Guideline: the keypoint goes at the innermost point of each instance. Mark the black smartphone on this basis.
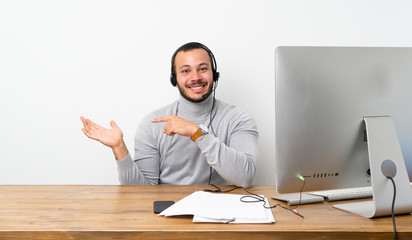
(159, 206)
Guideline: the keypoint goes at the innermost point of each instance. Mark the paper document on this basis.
(221, 208)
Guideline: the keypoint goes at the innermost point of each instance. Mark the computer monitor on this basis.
(340, 112)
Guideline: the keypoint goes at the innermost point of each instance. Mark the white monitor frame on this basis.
(323, 95)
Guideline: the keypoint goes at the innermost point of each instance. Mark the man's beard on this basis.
(183, 93)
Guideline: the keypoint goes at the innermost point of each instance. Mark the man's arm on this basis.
(129, 172)
(144, 166)
(234, 161)
(112, 138)
(177, 125)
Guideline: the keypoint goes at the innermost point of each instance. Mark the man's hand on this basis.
(176, 125)
(110, 137)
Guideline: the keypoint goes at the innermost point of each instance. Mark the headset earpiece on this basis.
(173, 79)
(216, 76)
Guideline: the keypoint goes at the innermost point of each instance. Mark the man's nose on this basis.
(195, 76)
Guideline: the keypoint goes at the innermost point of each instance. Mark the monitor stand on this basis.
(385, 159)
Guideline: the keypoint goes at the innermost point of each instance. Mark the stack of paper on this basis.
(220, 207)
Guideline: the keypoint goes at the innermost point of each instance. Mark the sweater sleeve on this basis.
(236, 158)
(144, 169)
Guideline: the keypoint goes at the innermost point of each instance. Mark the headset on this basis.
(191, 46)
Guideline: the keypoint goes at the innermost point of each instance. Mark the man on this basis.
(195, 140)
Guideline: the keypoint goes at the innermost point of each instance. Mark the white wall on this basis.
(111, 60)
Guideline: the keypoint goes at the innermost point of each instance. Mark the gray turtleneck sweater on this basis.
(230, 148)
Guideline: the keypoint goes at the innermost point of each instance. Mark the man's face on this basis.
(194, 74)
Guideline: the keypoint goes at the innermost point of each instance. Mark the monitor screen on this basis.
(322, 97)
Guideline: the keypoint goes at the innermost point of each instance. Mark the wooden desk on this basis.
(126, 212)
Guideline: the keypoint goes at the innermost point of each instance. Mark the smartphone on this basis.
(159, 206)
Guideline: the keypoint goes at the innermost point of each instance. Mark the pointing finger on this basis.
(162, 119)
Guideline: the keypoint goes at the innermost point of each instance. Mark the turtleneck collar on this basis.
(185, 106)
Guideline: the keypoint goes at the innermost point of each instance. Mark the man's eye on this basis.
(185, 71)
(203, 69)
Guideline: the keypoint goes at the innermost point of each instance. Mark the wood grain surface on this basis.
(126, 212)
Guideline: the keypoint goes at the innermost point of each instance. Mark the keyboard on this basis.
(345, 194)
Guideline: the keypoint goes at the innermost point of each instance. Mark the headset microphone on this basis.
(206, 95)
